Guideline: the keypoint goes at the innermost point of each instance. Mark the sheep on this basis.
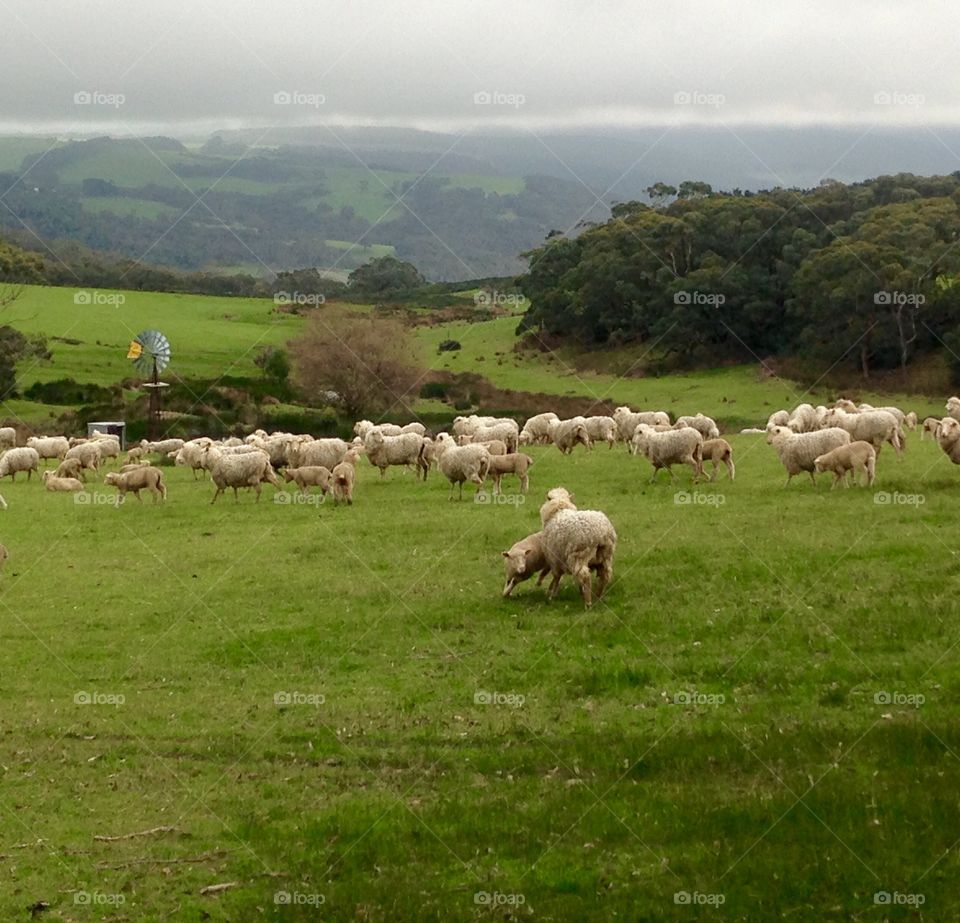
(778, 418)
(506, 431)
(524, 559)
(855, 456)
(568, 433)
(87, 453)
(627, 421)
(13, 461)
(144, 477)
(930, 425)
(49, 446)
(190, 455)
(465, 426)
(910, 420)
(134, 454)
(415, 427)
(384, 451)
(464, 463)
(363, 427)
(327, 453)
(494, 446)
(953, 407)
(134, 466)
(537, 428)
(52, 482)
(309, 476)
(948, 438)
(702, 424)
(243, 469)
(343, 478)
(8, 438)
(163, 447)
(427, 457)
(516, 463)
(576, 542)
(803, 419)
(873, 426)
(601, 429)
(847, 405)
(108, 444)
(682, 446)
(799, 451)
(69, 468)
(718, 450)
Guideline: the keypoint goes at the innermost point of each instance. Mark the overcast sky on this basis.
(190, 66)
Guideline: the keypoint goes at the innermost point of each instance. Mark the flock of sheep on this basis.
(844, 439)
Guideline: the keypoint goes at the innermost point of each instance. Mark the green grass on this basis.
(400, 797)
(119, 205)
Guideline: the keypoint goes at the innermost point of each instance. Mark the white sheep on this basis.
(948, 438)
(930, 425)
(682, 446)
(799, 451)
(189, 455)
(628, 420)
(953, 407)
(319, 452)
(69, 468)
(854, 457)
(143, 477)
(242, 469)
(704, 425)
(8, 438)
(778, 418)
(717, 451)
(524, 559)
(911, 420)
(87, 453)
(804, 419)
(577, 542)
(567, 434)
(49, 446)
(343, 478)
(460, 463)
(309, 476)
(515, 463)
(602, 429)
(873, 426)
(54, 483)
(537, 429)
(13, 461)
(163, 447)
(384, 451)
(507, 431)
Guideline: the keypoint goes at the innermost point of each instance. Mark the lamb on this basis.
(948, 439)
(163, 447)
(804, 419)
(682, 446)
(427, 457)
(144, 477)
(8, 438)
(855, 456)
(327, 453)
(702, 424)
(717, 451)
(953, 408)
(537, 428)
(465, 426)
(799, 451)
(87, 453)
(55, 483)
(309, 476)
(516, 463)
(524, 559)
(384, 451)
(627, 421)
(567, 434)
(13, 461)
(49, 446)
(576, 542)
(69, 468)
(343, 477)
(930, 425)
(134, 454)
(873, 426)
(464, 463)
(910, 420)
(601, 429)
(243, 469)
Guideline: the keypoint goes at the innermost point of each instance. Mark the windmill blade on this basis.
(150, 350)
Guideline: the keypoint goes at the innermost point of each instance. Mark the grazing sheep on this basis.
(327, 453)
(873, 426)
(190, 455)
(466, 426)
(13, 461)
(627, 421)
(601, 429)
(134, 466)
(524, 559)
(799, 451)
(415, 427)
(717, 451)
(244, 469)
(953, 408)
(682, 446)
(343, 478)
(108, 444)
(494, 446)
(8, 438)
(948, 438)
(930, 425)
(910, 420)
(506, 431)
(134, 455)
(54, 483)
(309, 476)
(69, 468)
(567, 434)
(778, 418)
(163, 448)
(804, 419)
(537, 429)
(846, 405)
(144, 477)
(705, 426)
(516, 463)
(427, 457)
(49, 446)
(464, 463)
(577, 542)
(88, 454)
(384, 451)
(856, 457)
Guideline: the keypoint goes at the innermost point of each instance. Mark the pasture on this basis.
(335, 712)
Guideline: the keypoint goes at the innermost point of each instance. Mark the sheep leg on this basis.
(731, 469)
(217, 494)
(604, 576)
(554, 584)
(136, 493)
(583, 578)
(524, 483)
(236, 496)
(812, 478)
(258, 489)
(543, 575)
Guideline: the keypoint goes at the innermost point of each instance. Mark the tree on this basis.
(364, 361)
(274, 363)
(659, 193)
(385, 275)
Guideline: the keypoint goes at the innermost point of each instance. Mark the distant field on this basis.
(120, 205)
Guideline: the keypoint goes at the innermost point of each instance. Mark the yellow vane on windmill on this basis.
(135, 350)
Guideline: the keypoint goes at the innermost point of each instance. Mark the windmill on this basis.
(150, 352)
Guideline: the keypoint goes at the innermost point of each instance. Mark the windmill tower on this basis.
(150, 353)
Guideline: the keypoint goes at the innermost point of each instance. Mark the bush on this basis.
(448, 346)
(434, 390)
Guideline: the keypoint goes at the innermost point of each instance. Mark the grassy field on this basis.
(758, 722)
